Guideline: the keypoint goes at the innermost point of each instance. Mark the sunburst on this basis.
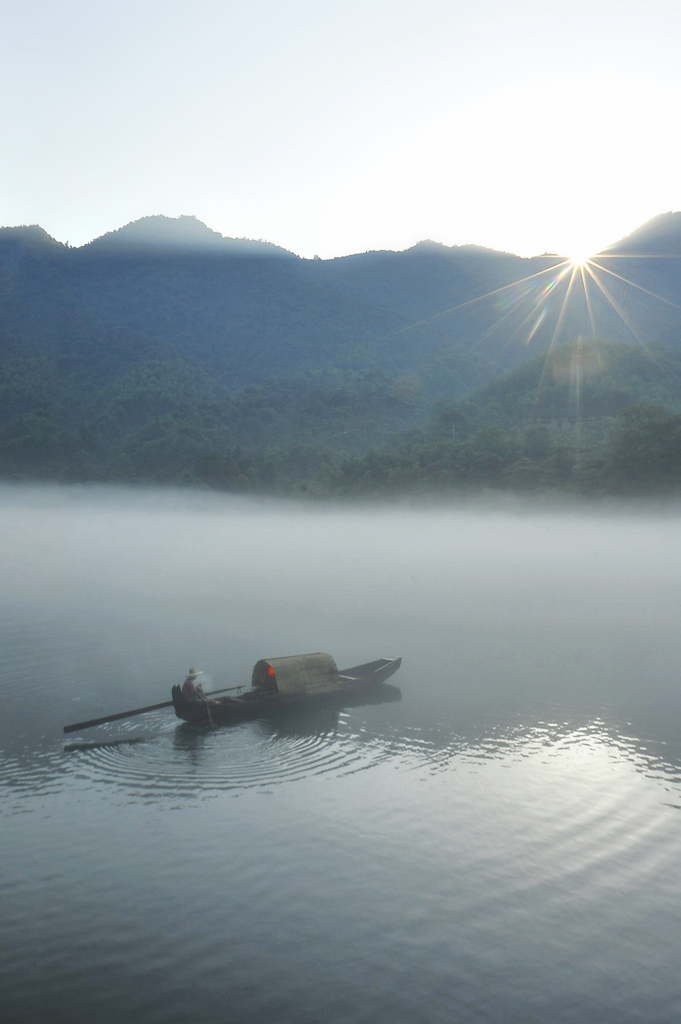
(569, 296)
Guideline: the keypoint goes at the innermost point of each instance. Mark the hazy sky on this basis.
(329, 128)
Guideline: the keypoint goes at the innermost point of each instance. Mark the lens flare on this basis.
(559, 297)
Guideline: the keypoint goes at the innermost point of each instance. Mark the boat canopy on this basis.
(299, 673)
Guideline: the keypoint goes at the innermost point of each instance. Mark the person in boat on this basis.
(190, 690)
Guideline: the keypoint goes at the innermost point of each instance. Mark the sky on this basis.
(331, 128)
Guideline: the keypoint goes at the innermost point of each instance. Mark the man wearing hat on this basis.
(190, 691)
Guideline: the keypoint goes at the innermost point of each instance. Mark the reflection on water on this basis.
(499, 844)
(72, 748)
(191, 760)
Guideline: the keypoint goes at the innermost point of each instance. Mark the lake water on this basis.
(501, 846)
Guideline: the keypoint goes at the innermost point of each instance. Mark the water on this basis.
(500, 846)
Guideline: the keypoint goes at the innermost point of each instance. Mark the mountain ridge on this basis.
(156, 231)
(661, 234)
(146, 339)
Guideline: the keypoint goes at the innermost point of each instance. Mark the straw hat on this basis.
(192, 674)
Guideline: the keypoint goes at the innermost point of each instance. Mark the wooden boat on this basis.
(283, 684)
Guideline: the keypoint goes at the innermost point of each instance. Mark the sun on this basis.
(568, 297)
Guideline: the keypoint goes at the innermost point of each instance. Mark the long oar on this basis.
(135, 711)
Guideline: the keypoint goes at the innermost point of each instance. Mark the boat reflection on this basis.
(297, 721)
(320, 721)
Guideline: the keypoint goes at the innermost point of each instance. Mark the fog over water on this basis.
(502, 845)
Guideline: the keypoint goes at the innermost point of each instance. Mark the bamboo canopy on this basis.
(298, 673)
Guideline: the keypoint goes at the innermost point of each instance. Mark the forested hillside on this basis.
(165, 352)
(241, 311)
(587, 418)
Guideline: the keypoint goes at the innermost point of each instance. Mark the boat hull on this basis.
(359, 684)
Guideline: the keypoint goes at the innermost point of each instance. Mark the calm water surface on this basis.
(501, 846)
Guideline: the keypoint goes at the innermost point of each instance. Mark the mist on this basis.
(487, 602)
(516, 810)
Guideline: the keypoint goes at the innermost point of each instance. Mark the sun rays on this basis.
(586, 279)
(578, 297)
(562, 294)
(581, 300)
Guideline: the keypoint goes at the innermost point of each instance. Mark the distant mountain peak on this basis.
(186, 233)
(162, 232)
(427, 245)
(660, 236)
(28, 236)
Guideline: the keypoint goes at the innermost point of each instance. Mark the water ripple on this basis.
(184, 760)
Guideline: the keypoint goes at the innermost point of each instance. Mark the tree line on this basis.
(602, 418)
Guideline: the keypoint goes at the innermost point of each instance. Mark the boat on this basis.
(288, 683)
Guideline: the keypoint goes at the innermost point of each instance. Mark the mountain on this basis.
(583, 382)
(179, 234)
(242, 311)
(425, 280)
(600, 417)
(660, 236)
(246, 309)
(128, 357)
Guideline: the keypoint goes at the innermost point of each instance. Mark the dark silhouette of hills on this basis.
(242, 310)
(164, 336)
(179, 234)
(660, 236)
(422, 281)
(246, 309)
